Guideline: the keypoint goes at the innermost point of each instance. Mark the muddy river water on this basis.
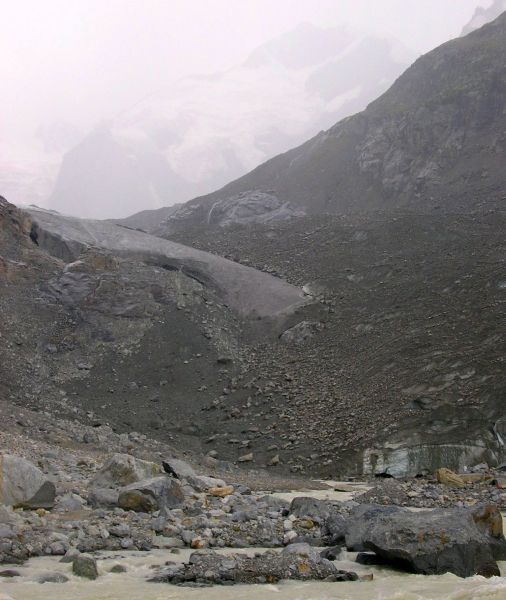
(386, 584)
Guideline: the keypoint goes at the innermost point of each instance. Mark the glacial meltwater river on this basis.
(386, 584)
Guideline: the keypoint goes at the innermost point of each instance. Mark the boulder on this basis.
(387, 491)
(103, 498)
(122, 469)
(9, 517)
(301, 333)
(178, 468)
(334, 530)
(488, 519)
(246, 457)
(208, 567)
(317, 510)
(202, 482)
(51, 578)
(85, 566)
(433, 542)
(361, 519)
(69, 503)
(151, 494)
(449, 478)
(23, 485)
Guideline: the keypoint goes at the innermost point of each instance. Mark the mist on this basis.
(70, 66)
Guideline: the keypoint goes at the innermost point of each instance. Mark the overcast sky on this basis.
(84, 60)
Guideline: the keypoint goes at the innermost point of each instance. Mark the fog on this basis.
(69, 65)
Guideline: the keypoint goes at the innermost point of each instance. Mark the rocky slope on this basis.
(396, 363)
(197, 134)
(407, 362)
(435, 139)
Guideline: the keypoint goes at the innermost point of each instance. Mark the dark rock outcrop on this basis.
(270, 567)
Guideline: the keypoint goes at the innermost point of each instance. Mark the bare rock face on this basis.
(251, 206)
(122, 469)
(24, 485)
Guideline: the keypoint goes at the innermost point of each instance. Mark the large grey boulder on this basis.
(432, 542)
(151, 494)
(208, 567)
(123, 469)
(23, 484)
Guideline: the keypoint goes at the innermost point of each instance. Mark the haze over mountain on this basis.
(435, 139)
(201, 133)
(483, 15)
(91, 74)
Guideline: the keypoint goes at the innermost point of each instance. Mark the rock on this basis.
(103, 498)
(317, 510)
(302, 549)
(85, 566)
(178, 468)
(52, 578)
(334, 530)
(221, 492)
(151, 494)
(274, 460)
(208, 567)
(488, 519)
(160, 541)
(118, 569)
(122, 469)
(370, 559)
(432, 542)
(9, 517)
(70, 555)
(449, 478)
(9, 573)
(246, 457)
(301, 333)
(121, 531)
(388, 491)
(23, 485)
(69, 503)
(331, 553)
(202, 483)
(360, 520)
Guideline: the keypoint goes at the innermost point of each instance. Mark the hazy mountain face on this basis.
(436, 138)
(205, 131)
